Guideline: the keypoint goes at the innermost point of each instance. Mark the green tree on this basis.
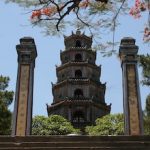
(147, 116)
(52, 125)
(145, 64)
(112, 124)
(147, 107)
(146, 125)
(6, 98)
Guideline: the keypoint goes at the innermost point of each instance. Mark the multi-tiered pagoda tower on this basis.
(78, 94)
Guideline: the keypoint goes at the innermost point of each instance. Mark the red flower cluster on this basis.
(36, 13)
(49, 11)
(137, 9)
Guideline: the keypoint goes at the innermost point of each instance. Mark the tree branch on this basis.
(69, 9)
(77, 15)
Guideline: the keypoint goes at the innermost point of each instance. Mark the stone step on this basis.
(76, 144)
(74, 148)
(72, 138)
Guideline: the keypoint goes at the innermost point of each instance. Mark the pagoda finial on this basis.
(72, 33)
(83, 33)
(78, 32)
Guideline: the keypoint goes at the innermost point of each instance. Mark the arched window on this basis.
(78, 43)
(78, 57)
(78, 93)
(78, 73)
(78, 117)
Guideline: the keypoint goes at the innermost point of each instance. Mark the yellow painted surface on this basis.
(133, 102)
(22, 100)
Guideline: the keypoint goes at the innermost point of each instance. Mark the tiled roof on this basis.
(81, 101)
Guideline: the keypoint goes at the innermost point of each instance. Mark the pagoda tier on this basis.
(78, 88)
(78, 93)
(74, 69)
(78, 54)
(81, 112)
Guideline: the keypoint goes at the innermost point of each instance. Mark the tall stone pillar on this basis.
(131, 92)
(22, 116)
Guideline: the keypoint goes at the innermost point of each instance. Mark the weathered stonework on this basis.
(22, 115)
(78, 94)
(22, 104)
(131, 93)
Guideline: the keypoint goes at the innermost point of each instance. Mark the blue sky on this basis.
(15, 24)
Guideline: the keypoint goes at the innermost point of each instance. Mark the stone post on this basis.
(22, 116)
(131, 92)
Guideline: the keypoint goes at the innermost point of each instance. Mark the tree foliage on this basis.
(147, 116)
(57, 11)
(147, 107)
(145, 64)
(6, 98)
(52, 125)
(147, 125)
(97, 17)
(111, 124)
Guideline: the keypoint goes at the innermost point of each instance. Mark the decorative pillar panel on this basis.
(22, 116)
(131, 92)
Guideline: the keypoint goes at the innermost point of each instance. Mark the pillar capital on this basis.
(128, 50)
(26, 50)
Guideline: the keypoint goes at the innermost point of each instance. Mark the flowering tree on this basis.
(139, 7)
(95, 16)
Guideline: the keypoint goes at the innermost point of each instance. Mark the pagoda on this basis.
(79, 96)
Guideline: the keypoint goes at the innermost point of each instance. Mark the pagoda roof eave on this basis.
(87, 81)
(70, 102)
(72, 63)
(90, 50)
